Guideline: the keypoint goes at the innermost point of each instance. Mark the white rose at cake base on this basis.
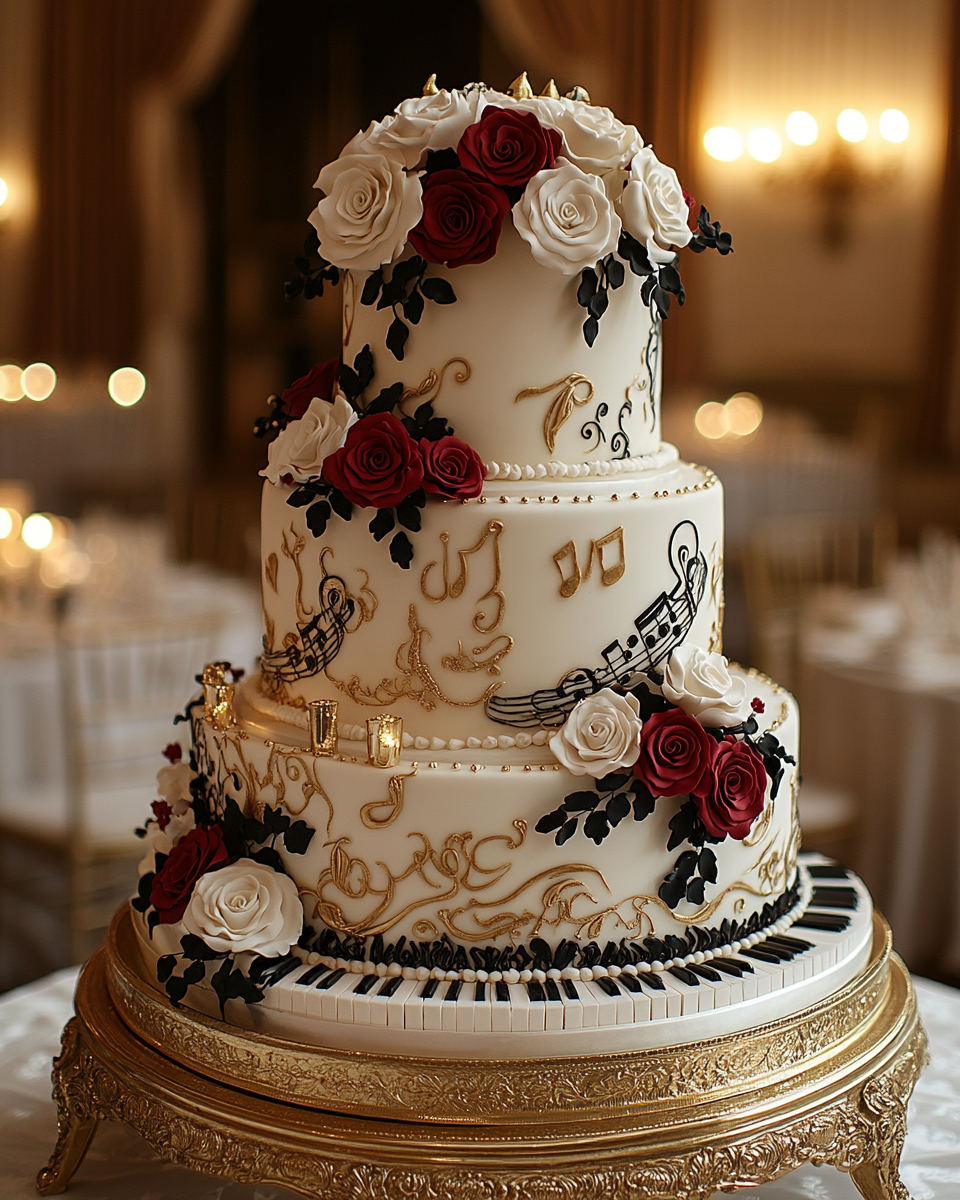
(601, 735)
(245, 906)
(369, 207)
(301, 448)
(701, 684)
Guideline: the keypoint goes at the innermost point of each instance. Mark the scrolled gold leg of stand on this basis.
(76, 1118)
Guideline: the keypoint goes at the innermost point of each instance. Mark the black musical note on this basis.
(659, 628)
(320, 639)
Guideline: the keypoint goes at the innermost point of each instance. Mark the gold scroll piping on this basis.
(562, 405)
(393, 803)
(609, 574)
(270, 569)
(453, 590)
(717, 602)
(431, 386)
(462, 662)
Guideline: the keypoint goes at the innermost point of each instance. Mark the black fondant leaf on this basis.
(707, 865)
(566, 832)
(672, 890)
(340, 504)
(413, 308)
(382, 523)
(195, 971)
(165, 967)
(551, 821)
(617, 808)
(386, 399)
(397, 336)
(371, 289)
(408, 514)
(438, 290)
(298, 837)
(588, 286)
(317, 516)
(695, 892)
(591, 327)
(269, 857)
(581, 802)
(196, 948)
(613, 783)
(401, 550)
(596, 826)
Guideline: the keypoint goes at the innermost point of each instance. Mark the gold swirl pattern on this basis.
(562, 406)
(393, 803)
(431, 386)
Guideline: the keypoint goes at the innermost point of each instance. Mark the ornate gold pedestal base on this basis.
(829, 1085)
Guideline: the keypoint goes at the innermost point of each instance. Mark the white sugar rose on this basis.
(593, 138)
(566, 218)
(370, 205)
(419, 124)
(700, 683)
(173, 784)
(299, 450)
(600, 735)
(653, 207)
(162, 840)
(245, 906)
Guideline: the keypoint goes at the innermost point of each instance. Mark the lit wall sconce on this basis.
(218, 695)
(36, 381)
(384, 739)
(126, 386)
(324, 736)
(737, 418)
(838, 174)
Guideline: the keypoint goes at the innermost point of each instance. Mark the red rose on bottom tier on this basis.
(195, 854)
(378, 465)
(739, 786)
(451, 468)
(676, 754)
(318, 383)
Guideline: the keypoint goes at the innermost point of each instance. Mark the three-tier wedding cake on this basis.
(494, 790)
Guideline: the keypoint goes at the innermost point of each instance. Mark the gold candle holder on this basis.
(324, 737)
(384, 740)
(218, 695)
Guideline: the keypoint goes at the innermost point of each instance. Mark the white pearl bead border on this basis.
(356, 967)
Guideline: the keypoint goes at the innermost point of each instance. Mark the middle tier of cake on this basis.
(515, 605)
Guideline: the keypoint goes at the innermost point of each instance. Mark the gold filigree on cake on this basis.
(562, 405)
(270, 567)
(717, 600)
(462, 662)
(393, 803)
(431, 386)
(453, 591)
(415, 680)
(349, 305)
(609, 575)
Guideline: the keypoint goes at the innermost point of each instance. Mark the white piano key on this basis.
(606, 1005)
(282, 995)
(377, 1008)
(719, 989)
(467, 1008)
(413, 1006)
(590, 1005)
(433, 1008)
(448, 1009)
(330, 997)
(397, 1003)
(300, 999)
(689, 996)
(483, 1009)
(658, 999)
(520, 1005)
(553, 1012)
(673, 1001)
(500, 1012)
(572, 1009)
(639, 1000)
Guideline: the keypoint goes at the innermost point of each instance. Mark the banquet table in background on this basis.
(120, 1166)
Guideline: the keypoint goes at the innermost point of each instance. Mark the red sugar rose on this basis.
(451, 468)
(676, 754)
(378, 465)
(508, 147)
(195, 854)
(319, 381)
(739, 785)
(461, 221)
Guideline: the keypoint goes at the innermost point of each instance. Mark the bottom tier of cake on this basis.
(801, 959)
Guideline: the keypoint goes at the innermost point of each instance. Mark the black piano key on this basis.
(826, 922)
(827, 871)
(331, 979)
(393, 982)
(727, 967)
(480, 991)
(684, 976)
(429, 988)
(553, 992)
(791, 943)
(271, 970)
(608, 985)
(571, 989)
(309, 978)
(782, 952)
(535, 992)
(835, 897)
(653, 981)
(630, 982)
(366, 984)
(704, 972)
(763, 956)
(503, 992)
(744, 966)
(453, 991)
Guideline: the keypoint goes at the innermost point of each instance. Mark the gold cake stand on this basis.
(827, 1085)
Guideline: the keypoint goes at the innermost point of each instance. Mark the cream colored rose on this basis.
(173, 784)
(600, 735)
(299, 450)
(370, 205)
(162, 841)
(653, 208)
(419, 124)
(700, 683)
(566, 218)
(593, 138)
(245, 906)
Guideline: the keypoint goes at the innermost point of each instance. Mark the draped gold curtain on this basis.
(641, 58)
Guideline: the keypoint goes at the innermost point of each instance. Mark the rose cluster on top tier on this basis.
(443, 171)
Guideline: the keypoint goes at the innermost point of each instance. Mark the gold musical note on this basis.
(393, 803)
(455, 589)
(609, 574)
(562, 405)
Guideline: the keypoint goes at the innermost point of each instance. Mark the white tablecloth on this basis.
(120, 1166)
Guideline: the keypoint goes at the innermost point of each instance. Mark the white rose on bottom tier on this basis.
(299, 450)
(566, 218)
(245, 906)
(653, 207)
(700, 683)
(600, 735)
